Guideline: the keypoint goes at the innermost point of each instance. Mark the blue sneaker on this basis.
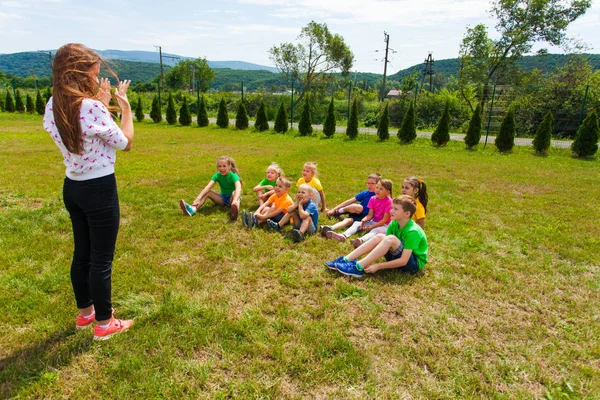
(186, 208)
(272, 224)
(350, 268)
(331, 264)
(245, 218)
(253, 221)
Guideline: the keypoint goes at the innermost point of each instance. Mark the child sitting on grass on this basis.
(304, 214)
(309, 176)
(355, 207)
(265, 188)
(274, 208)
(404, 246)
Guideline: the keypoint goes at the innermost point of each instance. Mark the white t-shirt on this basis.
(100, 136)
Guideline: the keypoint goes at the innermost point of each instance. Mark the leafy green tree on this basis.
(241, 117)
(9, 103)
(329, 125)
(202, 113)
(30, 104)
(48, 94)
(586, 142)
(171, 112)
(139, 110)
(352, 127)
(305, 124)
(505, 140)
(312, 61)
(262, 121)
(408, 131)
(181, 76)
(40, 106)
(222, 115)
(2, 100)
(383, 128)
(156, 112)
(474, 132)
(19, 104)
(281, 123)
(185, 117)
(543, 134)
(441, 135)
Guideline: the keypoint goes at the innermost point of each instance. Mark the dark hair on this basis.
(73, 83)
(407, 203)
(421, 190)
(386, 184)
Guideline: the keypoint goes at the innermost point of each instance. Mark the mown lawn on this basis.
(508, 306)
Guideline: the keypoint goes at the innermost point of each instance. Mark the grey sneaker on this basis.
(273, 225)
(297, 236)
(186, 208)
(325, 229)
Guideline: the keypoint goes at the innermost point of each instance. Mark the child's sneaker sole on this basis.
(115, 326)
(184, 208)
(234, 212)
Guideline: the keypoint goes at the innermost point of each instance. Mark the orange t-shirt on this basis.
(283, 201)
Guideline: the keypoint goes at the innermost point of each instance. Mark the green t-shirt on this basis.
(226, 182)
(413, 238)
(266, 182)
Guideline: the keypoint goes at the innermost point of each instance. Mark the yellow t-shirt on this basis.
(420, 212)
(283, 201)
(314, 182)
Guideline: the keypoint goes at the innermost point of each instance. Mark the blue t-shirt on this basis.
(364, 197)
(312, 209)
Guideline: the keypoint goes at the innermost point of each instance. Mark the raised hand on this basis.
(104, 91)
(121, 93)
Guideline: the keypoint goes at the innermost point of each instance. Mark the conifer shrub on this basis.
(352, 128)
(202, 119)
(222, 115)
(473, 135)
(505, 140)
(139, 110)
(305, 124)
(2, 100)
(543, 134)
(40, 106)
(330, 122)
(586, 141)
(171, 112)
(48, 94)
(262, 121)
(383, 128)
(241, 117)
(9, 103)
(19, 104)
(441, 135)
(281, 122)
(156, 112)
(30, 104)
(408, 131)
(185, 117)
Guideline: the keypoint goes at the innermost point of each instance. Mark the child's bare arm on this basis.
(204, 191)
(342, 204)
(384, 220)
(366, 218)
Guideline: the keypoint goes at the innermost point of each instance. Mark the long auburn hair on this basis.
(73, 83)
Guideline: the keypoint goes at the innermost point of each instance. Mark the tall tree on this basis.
(222, 115)
(30, 104)
(185, 118)
(329, 125)
(241, 117)
(262, 121)
(19, 104)
(474, 131)
(40, 106)
(202, 113)
(352, 127)
(543, 135)
(305, 124)
(505, 140)
(139, 110)
(441, 135)
(586, 142)
(311, 61)
(9, 103)
(2, 100)
(171, 112)
(383, 128)
(281, 122)
(184, 75)
(48, 94)
(156, 112)
(408, 130)
(520, 24)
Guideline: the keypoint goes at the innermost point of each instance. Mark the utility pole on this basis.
(385, 63)
(428, 70)
(162, 75)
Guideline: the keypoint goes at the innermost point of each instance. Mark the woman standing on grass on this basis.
(80, 124)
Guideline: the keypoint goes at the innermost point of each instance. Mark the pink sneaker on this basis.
(356, 243)
(114, 326)
(336, 236)
(234, 212)
(83, 322)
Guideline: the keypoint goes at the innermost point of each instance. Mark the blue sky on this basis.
(244, 30)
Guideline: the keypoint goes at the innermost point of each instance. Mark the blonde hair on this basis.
(285, 181)
(275, 167)
(232, 164)
(306, 187)
(375, 176)
(311, 165)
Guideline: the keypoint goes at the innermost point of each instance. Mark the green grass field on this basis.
(508, 306)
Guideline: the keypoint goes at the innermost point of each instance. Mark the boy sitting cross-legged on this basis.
(274, 208)
(404, 245)
(304, 213)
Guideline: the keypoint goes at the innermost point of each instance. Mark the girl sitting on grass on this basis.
(265, 188)
(309, 176)
(417, 189)
(227, 176)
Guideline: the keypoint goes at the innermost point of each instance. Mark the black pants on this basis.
(94, 209)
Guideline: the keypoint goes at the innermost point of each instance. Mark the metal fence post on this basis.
(292, 113)
(490, 117)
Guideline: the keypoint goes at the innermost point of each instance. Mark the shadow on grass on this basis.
(38, 361)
